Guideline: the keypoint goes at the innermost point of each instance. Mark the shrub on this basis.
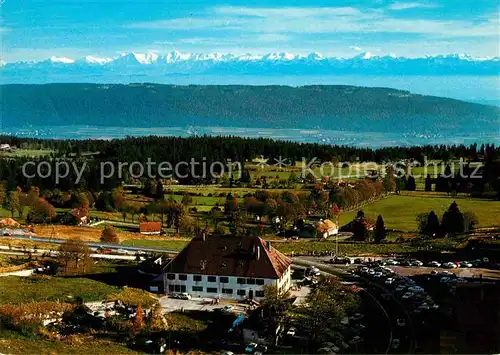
(109, 235)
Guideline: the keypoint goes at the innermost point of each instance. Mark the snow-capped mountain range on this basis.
(153, 64)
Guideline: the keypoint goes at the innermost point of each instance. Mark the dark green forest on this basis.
(211, 149)
(154, 105)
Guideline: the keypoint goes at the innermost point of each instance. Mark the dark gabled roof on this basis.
(230, 256)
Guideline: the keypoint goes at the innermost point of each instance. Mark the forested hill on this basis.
(154, 105)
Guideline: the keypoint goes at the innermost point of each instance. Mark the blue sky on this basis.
(34, 29)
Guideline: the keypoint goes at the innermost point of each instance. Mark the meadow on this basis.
(400, 211)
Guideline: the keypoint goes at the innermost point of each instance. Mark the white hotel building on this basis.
(227, 267)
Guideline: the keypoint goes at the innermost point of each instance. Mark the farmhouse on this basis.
(150, 228)
(327, 228)
(227, 267)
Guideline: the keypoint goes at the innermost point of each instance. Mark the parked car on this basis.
(251, 348)
(357, 316)
(465, 264)
(389, 281)
(434, 264)
(407, 295)
(449, 265)
(391, 262)
(227, 309)
(182, 296)
(291, 331)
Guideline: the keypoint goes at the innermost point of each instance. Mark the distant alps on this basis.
(153, 65)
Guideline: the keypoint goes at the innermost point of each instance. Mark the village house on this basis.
(227, 267)
(327, 228)
(150, 228)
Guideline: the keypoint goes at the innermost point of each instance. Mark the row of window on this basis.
(176, 288)
(227, 291)
(222, 279)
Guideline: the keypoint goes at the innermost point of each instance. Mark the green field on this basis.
(165, 244)
(400, 211)
(15, 343)
(14, 289)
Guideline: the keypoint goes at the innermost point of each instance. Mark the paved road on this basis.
(96, 245)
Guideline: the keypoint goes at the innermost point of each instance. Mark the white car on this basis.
(389, 281)
(291, 332)
(377, 275)
(449, 265)
(182, 296)
(465, 264)
(434, 264)
(401, 322)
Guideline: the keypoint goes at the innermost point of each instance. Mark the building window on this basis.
(212, 279)
(183, 277)
(224, 279)
(170, 288)
(251, 281)
(259, 293)
(197, 289)
(177, 288)
(211, 290)
(259, 282)
(228, 291)
(183, 288)
(196, 277)
(241, 292)
(171, 276)
(241, 280)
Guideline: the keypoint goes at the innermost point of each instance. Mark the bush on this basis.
(109, 235)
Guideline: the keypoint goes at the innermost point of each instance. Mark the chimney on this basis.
(268, 245)
(257, 256)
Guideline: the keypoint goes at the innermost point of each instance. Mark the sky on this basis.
(36, 29)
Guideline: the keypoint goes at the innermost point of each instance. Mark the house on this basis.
(327, 228)
(229, 267)
(81, 215)
(5, 147)
(150, 228)
(9, 222)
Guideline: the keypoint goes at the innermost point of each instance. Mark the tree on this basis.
(453, 220)
(14, 203)
(428, 183)
(156, 321)
(470, 221)
(41, 211)
(278, 304)
(432, 225)
(327, 304)
(138, 321)
(186, 199)
(380, 231)
(74, 249)
(109, 235)
(359, 230)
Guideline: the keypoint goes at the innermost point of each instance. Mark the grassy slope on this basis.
(15, 289)
(399, 212)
